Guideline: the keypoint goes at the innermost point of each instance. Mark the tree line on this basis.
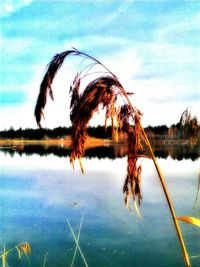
(174, 131)
(59, 132)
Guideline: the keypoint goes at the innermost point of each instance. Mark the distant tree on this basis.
(189, 125)
(173, 130)
(158, 130)
(11, 128)
(150, 133)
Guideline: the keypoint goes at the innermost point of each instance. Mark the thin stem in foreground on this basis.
(162, 180)
(78, 237)
(76, 241)
(169, 201)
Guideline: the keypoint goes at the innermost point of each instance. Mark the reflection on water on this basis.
(178, 152)
(38, 195)
(60, 151)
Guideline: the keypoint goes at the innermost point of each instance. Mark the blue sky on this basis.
(153, 46)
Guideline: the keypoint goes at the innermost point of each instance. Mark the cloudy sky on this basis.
(153, 46)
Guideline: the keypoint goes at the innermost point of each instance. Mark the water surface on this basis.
(39, 193)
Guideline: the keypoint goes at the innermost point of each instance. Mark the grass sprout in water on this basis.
(22, 249)
(107, 92)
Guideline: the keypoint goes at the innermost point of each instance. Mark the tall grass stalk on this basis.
(170, 205)
(104, 91)
(164, 187)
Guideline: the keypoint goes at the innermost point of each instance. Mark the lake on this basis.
(41, 194)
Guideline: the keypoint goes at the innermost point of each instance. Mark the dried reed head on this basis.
(103, 92)
(124, 117)
(132, 181)
(52, 68)
(25, 248)
(130, 123)
(45, 86)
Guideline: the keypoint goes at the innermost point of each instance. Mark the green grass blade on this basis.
(195, 257)
(4, 255)
(19, 252)
(45, 259)
(137, 210)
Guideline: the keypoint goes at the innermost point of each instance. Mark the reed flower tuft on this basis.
(100, 93)
(104, 92)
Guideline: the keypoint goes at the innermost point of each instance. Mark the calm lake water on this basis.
(39, 192)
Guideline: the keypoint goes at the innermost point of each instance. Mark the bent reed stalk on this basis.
(166, 192)
(104, 91)
(169, 201)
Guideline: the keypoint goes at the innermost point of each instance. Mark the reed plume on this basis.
(136, 151)
(104, 91)
(50, 74)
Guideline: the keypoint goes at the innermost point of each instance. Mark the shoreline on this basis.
(90, 142)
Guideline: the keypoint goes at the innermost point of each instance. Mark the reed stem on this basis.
(53, 67)
(173, 214)
(164, 186)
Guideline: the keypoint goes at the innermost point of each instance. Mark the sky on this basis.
(152, 46)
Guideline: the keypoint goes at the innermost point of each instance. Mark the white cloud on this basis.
(9, 6)
(96, 41)
(124, 64)
(21, 116)
(170, 53)
(178, 27)
(113, 15)
(14, 47)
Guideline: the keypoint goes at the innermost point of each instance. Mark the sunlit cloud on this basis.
(10, 6)
(181, 30)
(115, 13)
